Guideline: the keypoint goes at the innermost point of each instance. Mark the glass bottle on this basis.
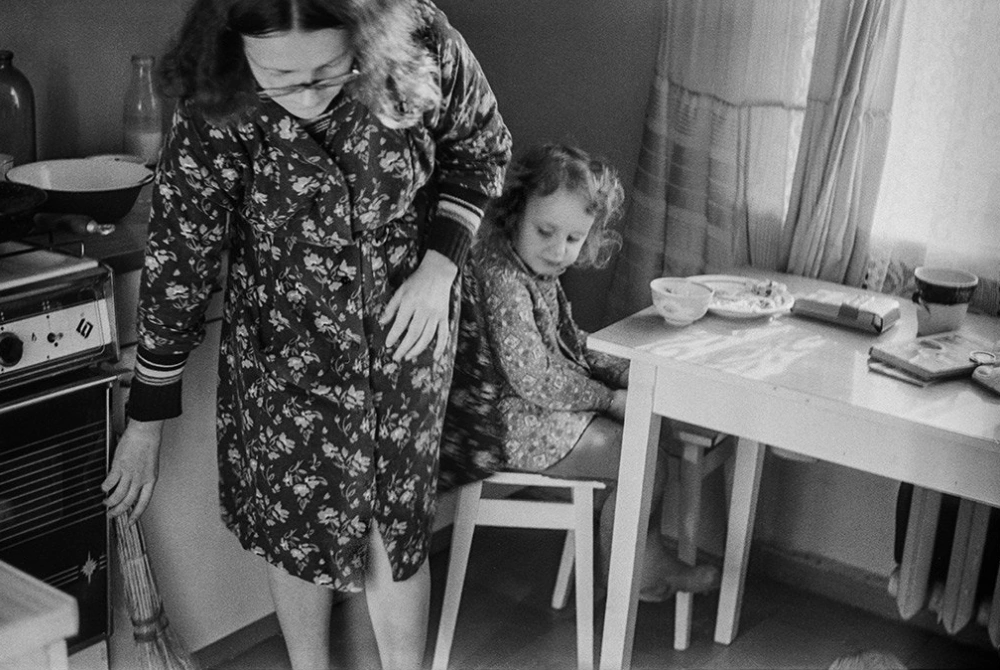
(17, 112)
(143, 113)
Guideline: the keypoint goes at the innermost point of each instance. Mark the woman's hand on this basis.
(618, 400)
(419, 309)
(133, 473)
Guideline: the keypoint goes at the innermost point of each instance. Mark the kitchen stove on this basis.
(56, 313)
(57, 332)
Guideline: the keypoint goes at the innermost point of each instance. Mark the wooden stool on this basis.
(700, 451)
(576, 517)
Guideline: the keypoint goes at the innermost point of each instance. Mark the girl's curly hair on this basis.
(206, 67)
(543, 170)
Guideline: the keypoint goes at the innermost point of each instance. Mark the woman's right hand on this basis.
(130, 481)
(618, 400)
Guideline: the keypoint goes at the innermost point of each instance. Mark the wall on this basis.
(576, 71)
(77, 57)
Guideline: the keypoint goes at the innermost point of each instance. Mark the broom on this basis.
(158, 647)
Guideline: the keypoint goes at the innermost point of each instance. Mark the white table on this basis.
(794, 383)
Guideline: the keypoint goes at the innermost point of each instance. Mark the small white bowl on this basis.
(680, 301)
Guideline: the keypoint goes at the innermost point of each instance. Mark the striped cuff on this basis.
(156, 386)
(455, 222)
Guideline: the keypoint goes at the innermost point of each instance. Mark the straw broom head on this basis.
(158, 646)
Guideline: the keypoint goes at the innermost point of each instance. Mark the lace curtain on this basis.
(939, 201)
(843, 146)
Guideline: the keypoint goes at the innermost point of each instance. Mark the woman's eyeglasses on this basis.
(317, 85)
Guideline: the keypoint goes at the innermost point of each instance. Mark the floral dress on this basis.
(547, 384)
(320, 432)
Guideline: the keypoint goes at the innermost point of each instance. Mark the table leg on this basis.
(635, 476)
(688, 515)
(993, 620)
(742, 512)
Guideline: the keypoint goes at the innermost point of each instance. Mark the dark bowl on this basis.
(102, 189)
(18, 204)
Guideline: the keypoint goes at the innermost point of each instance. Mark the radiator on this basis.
(960, 598)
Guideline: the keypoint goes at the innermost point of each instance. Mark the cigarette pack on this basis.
(871, 313)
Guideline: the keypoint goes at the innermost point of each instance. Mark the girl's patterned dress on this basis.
(320, 432)
(548, 386)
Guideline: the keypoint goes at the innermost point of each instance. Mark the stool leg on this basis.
(560, 595)
(689, 505)
(729, 473)
(466, 513)
(583, 503)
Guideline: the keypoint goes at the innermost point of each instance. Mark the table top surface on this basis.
(815, 359)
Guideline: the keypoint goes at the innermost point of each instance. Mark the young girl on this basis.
(560, 406)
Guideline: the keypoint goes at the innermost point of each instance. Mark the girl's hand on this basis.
(617, 409)
(133, 473)
(419, 309)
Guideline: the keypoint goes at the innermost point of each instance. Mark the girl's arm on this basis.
(537, 374)
(611, 370)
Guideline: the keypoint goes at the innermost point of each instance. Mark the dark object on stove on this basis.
(102, 189)
(18, 204)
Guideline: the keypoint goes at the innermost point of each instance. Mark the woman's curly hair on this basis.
(544, 169)
(206, 67)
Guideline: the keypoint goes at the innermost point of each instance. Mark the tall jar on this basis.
(143, 113)
(17, 112)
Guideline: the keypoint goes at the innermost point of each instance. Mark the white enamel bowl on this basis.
(680, 301)
(103, 189)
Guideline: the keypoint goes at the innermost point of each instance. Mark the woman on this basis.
(342, 151)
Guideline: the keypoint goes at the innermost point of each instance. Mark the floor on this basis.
(506, 623)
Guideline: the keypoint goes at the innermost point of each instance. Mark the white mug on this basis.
(942, 298)
(934, 317)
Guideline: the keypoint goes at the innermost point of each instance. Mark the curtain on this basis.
(939, 203)
(721, 178)
(844, 141)
(719, 143)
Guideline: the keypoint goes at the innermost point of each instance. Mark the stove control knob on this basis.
(11, 349)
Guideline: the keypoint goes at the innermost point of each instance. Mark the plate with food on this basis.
(738, 297)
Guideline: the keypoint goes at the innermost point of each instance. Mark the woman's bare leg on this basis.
(597, 454)
(303, 610)
(399, 610)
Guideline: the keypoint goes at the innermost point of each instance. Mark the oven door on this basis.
(54, 447)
